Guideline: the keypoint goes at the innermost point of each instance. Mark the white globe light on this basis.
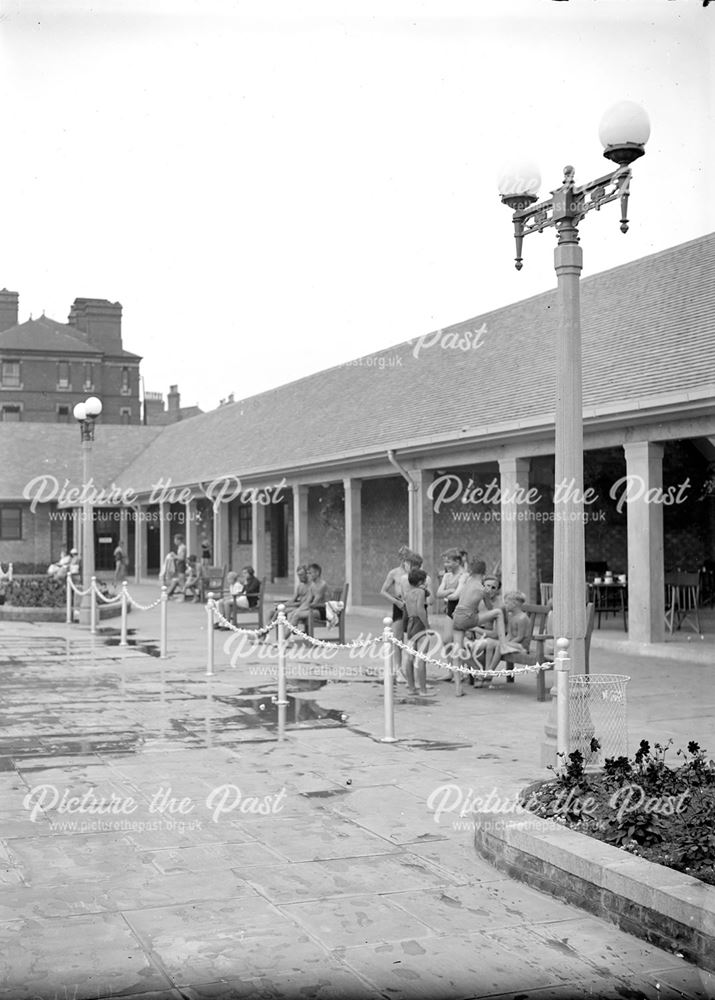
(93, 406)
(80, 412)
(625, 122)
(519, 177)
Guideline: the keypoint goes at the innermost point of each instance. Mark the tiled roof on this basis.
(29, 450)
(47, 335)
(648, 330)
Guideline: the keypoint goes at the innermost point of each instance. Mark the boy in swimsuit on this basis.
(471, 612)
(416, 597)
(392, 591)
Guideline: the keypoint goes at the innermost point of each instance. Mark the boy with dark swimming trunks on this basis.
(471, 612)
(392, 591)
(416, 597)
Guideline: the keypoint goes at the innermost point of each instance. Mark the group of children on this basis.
(182, 574)
(481, 627)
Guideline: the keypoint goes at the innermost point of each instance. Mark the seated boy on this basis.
(313, 604)
(518, 638)
(471, 612)
(192, 585)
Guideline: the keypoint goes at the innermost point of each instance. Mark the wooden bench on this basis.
(319, 618)
(538, 637)
(235, 611)
(212, 581)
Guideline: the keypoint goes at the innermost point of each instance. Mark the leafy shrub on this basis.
(645, 806)
(38, 592)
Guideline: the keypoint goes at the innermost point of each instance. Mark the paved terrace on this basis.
(329, 874)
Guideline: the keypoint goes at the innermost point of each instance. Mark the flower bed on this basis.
(35, 592)
(644, 806)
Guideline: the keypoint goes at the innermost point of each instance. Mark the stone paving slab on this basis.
(350, 889)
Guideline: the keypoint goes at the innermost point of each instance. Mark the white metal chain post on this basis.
(210, 635)
(282, 698)
(163, 639)
(69, 600)
(562, 667)
(93, 605)
(389, 689)
(125, 605)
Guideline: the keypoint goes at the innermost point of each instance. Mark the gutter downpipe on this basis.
(414, 541)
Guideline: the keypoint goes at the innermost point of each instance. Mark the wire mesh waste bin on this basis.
(597, 708)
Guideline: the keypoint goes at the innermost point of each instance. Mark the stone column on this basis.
(421, 514)
(192, 530)
(221, 554)
(353, 539)
(140, 542)
(124, 515)
(77, 533)
(164, 532)
(646, 579)
(300, 525)
(258, 543)
(515, 533)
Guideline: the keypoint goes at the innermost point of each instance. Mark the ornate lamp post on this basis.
(624, 130)
(86, 414)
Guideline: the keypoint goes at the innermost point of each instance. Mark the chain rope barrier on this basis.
(226, 624)
(474, 671)
(106, 600)
(77, 590)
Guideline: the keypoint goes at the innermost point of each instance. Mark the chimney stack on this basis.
(99, 322)
(173, 402)
(8, 309)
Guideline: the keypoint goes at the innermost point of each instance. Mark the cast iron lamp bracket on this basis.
(567, 202)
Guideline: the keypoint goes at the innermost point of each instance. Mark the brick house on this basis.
(413, 443)
(46, 365)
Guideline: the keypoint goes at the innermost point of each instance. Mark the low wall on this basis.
(13, 613)
(667, 908)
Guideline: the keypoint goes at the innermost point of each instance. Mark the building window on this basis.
(125, 415)
(126, 388)
(63, 414)
(63, 375)
(11, 374)
(245, 525)
(11, 414)
(88, 376)
(10, 523)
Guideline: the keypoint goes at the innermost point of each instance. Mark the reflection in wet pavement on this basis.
(130, 701)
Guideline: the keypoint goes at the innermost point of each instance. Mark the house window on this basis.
(63, 375)
(88, 375)
(11, 374)
(63, 414)
(10, 523)
(245, 525)
(126, 388)
(125, 415)
(11, 413)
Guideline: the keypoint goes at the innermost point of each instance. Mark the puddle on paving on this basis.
(150, 648)
(257, 706)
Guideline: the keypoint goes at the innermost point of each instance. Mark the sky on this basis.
(274, 188)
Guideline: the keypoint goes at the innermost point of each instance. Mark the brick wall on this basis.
(385, 527)
(41, 539)
(481, 537)
(326, 531)
(40, 396)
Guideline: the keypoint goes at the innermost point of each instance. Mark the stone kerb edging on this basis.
(19, 613)
(664, 907)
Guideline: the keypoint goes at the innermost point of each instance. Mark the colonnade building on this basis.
(446, 440)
